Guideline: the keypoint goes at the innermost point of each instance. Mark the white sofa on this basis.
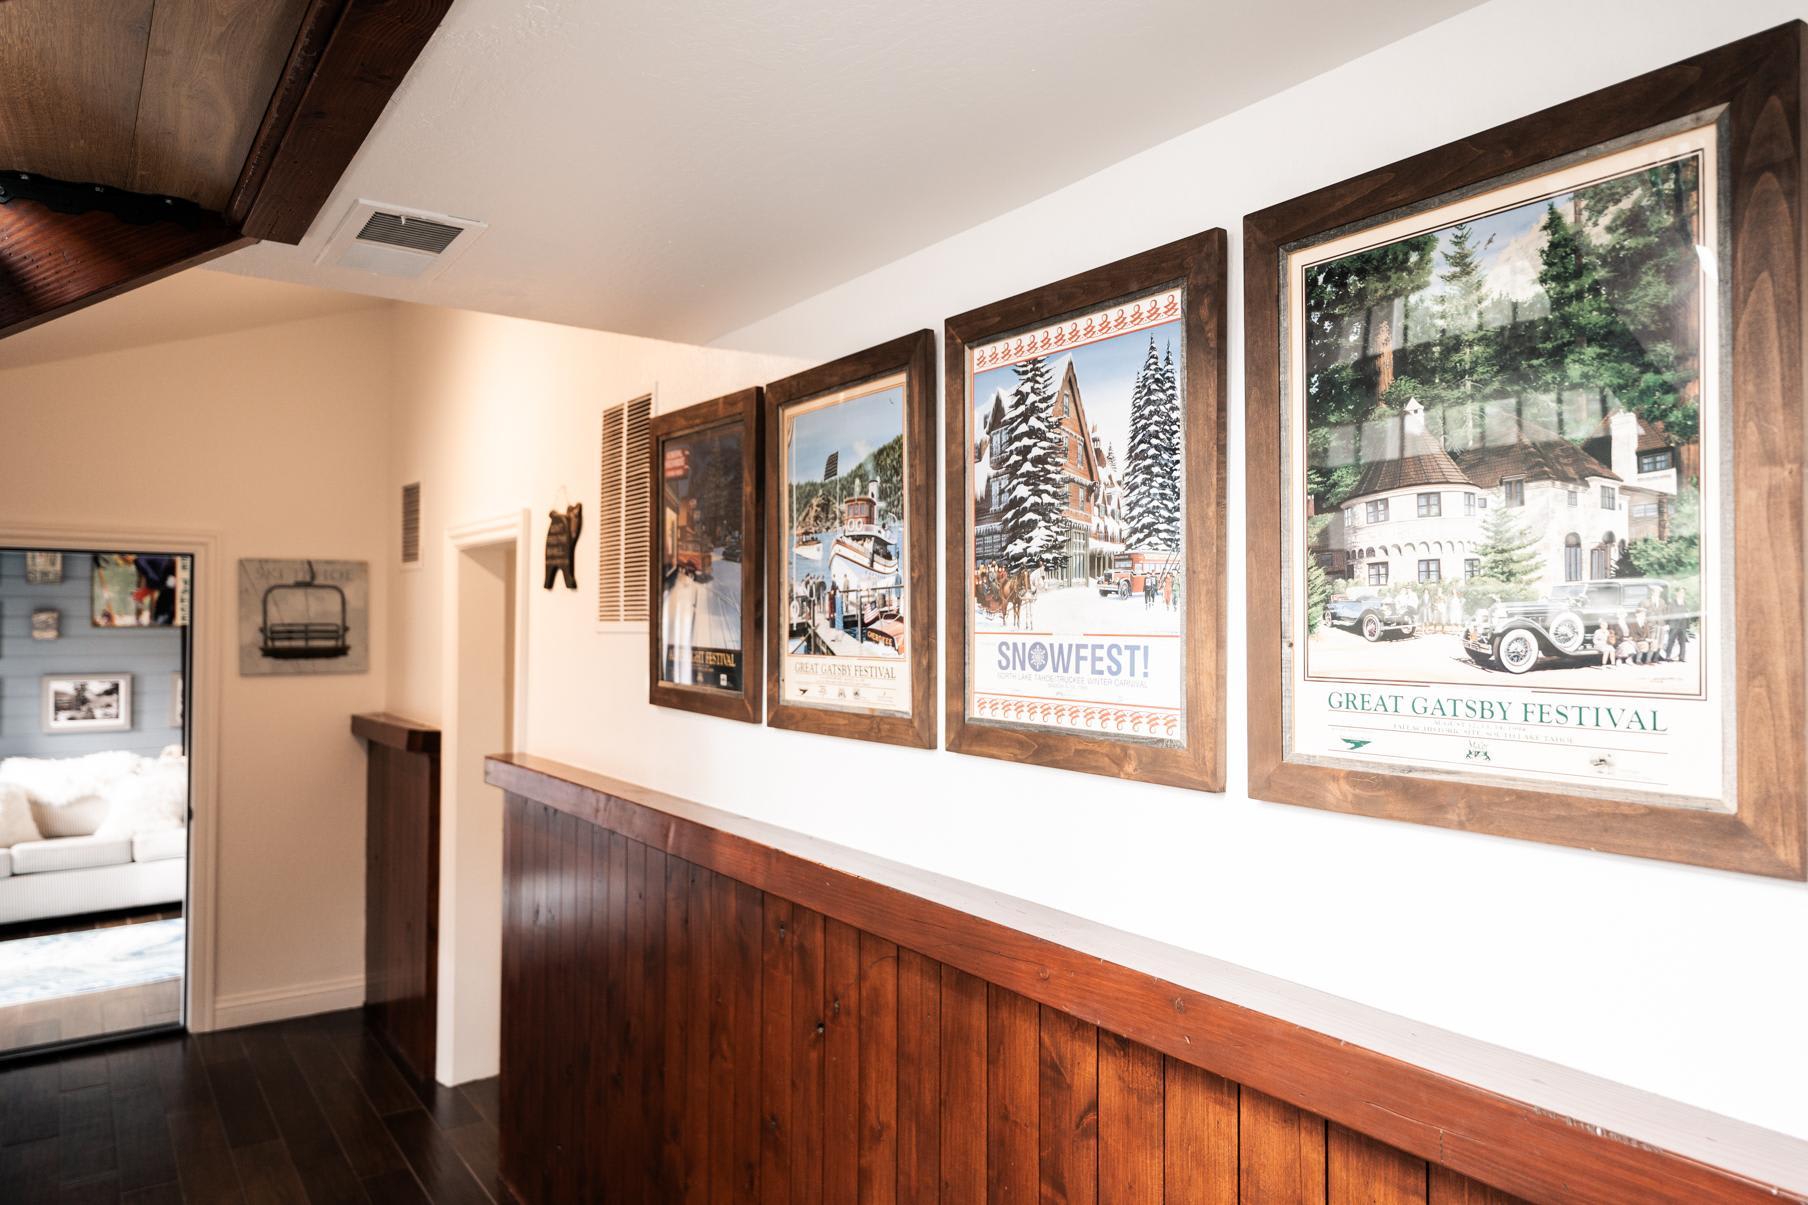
(105, 831)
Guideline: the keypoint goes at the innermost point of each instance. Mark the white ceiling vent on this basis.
(393, 240)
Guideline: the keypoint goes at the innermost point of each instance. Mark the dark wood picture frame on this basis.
(1759, 82)
(914, 356)
(743, 409)
(1198, 264)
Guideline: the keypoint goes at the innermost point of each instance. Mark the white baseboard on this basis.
(281, 1003)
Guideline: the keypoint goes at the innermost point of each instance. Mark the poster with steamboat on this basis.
(1076, 506)
(845, 566)
(1506, 520)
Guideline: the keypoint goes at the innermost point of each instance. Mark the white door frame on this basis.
(514, 528)
(212, 633)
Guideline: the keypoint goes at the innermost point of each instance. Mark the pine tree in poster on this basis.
(1034, 526)
(1168, 391)
(1143, 475)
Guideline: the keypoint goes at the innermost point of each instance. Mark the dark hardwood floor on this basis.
(311, 1110)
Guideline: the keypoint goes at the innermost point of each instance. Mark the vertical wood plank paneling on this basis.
(1450, 1188)
(614, 1031)
(671, 1034)
(878, 1071)
(653, 1077)
(675, 1152)
(746, 1038)
(401, 881)
(1361, 1171)
(841, 1063)
(919, 1078)
(699, 1112)
(1281, 1151)
(1067, 1123)
(722, 998)
(630, 1179)
(964, 1050)
(1012, 1068)
(777, 1138)
(1200, 1141)
(807, 1037)
(1130, 1122)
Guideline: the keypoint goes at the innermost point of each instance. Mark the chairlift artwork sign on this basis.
(1504, 402)
(1085, 488)
(851, 554)
(304, 617)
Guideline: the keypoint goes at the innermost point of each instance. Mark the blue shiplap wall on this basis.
(151, 655)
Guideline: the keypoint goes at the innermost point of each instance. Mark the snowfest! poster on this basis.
(1075, 508)
(1506, 504)
(844, 550)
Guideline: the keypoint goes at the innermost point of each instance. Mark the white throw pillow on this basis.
(156, 797)
(16, 824)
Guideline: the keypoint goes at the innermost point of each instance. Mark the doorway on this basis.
(485, 642)
(95, 792)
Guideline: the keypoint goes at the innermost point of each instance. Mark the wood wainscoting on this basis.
(699, 1007)
(401, 886)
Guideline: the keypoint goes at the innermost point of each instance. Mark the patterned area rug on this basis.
(67, 964)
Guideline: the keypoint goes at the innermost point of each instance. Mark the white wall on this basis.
(1682, 981)
(276, 439)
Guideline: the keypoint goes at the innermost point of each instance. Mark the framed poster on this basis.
(135, 590)
(1085, 478)
(1505, 401)
(706, 580)
(87, 702)
(43, 568)
(850, 628)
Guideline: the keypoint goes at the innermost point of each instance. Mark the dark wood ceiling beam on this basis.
(349, 57)
(54, 263)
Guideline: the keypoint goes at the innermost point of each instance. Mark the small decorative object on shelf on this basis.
(87, 703)
(46, 623)
(304, 617)
(562, 530)
(1504, 401)
(1085, 477)
(705, 637)
(851, 553)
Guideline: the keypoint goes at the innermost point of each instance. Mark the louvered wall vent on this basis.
(621, 539)
(411, 523)
(394, 240)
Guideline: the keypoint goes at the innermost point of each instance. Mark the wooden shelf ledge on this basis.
(397, 732)
(1529, 1126)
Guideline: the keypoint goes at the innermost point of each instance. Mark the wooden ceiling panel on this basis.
(72, 71)
(209, 70)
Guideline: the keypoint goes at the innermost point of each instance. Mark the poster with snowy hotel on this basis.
(844, 550)
(1075, 504)
(1506, 505)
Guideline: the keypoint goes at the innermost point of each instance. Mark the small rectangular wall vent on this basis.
(411, 523)
(622, 539)
(412, 234)
(396, 241)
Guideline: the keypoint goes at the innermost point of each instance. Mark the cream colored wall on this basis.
(495, 414)
(277, 439)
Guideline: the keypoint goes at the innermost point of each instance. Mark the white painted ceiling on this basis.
(680, 168)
